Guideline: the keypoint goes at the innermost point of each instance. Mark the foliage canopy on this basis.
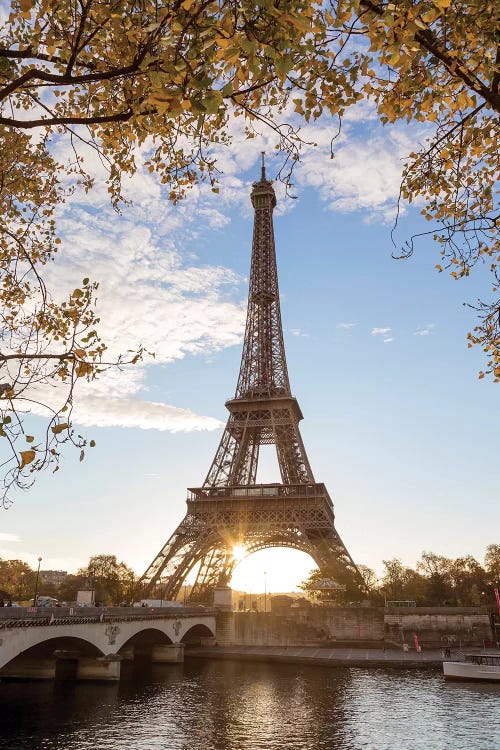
(435, 581)
(160, 82)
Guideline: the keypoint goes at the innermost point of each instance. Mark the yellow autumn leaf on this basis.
(83, 369)
(26, 458)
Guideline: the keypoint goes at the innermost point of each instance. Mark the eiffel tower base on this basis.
(256, 517)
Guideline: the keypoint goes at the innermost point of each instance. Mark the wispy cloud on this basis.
(153, 289)
(388, 340)
(5, 537)
(135, 412)
(153, 292)
(424, 330)
(365, 174)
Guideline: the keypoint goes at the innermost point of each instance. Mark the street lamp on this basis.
(20, 586)
(36, 582)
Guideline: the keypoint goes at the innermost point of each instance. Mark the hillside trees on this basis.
(17, 579)
(436, 580)
(113, 581)
(492, 565)
(439, 580)
(158, 84)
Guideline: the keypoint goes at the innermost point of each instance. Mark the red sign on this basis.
(497, 597)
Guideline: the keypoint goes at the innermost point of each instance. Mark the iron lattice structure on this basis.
(230, 508)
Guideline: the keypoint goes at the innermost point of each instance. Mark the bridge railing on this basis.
(11, 617)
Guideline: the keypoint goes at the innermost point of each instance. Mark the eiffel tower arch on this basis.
(230, 508)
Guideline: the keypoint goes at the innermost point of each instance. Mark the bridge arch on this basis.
(194, 634)
(293, 541)
(39, 658)
(146, 637)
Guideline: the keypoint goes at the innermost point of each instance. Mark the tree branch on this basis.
(94, 120)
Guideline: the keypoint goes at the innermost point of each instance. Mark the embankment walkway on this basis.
(324, 657)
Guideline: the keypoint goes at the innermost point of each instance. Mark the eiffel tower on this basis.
(230, 508)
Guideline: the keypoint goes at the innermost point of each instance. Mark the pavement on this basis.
(326, 657)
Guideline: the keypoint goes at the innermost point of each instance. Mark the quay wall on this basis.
(440, 626)
(307, 626)
(435, 627)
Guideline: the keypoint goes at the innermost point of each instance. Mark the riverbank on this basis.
(324, 657)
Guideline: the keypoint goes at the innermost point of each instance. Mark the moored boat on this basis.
(484, 667)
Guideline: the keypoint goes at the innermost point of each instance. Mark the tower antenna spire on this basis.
(263, 165)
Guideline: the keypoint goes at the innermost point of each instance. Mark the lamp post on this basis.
(21, 585)
(36, 582)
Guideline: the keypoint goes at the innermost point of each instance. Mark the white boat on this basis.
(484, 667)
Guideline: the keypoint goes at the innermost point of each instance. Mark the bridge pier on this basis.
(102, 668)
(208, 641)
(167, 653)
(31, 669)
(224, 631)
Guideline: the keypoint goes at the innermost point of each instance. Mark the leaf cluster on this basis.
(156, 83)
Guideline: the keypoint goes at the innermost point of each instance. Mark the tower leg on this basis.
(216, 567)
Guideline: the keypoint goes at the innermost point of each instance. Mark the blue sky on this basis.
(396, 422)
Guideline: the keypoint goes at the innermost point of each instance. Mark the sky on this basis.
(396, 422)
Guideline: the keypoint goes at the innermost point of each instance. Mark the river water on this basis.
(217, 705)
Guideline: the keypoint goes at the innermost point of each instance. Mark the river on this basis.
(217, 705)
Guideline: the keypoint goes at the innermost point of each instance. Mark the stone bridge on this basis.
(85, 643)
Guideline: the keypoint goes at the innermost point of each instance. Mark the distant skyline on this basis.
(396, 422)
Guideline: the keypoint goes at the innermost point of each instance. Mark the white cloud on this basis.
(424, 330)
(5, 537)
(380, 331)
(154, 292)
(298, 332)
(388, 340)
(365, 174)
(133, 412)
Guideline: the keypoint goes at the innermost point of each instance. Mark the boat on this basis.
(484, 667)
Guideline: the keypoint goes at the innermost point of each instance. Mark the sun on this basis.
(239, 552)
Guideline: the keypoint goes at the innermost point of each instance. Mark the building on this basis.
(53, 577)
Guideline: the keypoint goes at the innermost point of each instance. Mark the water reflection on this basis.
(242, 706)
